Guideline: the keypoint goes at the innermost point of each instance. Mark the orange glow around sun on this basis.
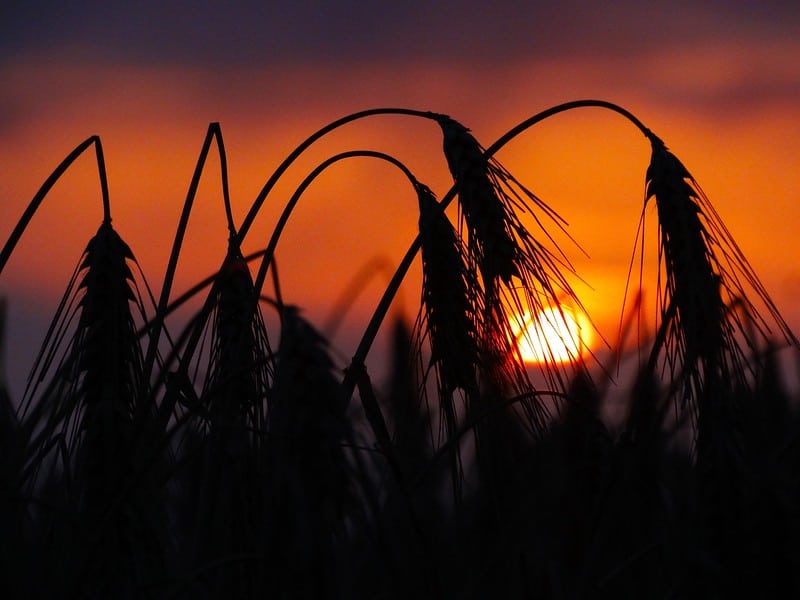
(556, 334)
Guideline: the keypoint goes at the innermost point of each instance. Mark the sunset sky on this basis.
(718, 81)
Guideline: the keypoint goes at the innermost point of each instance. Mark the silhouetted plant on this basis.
(212, 464)
(86, 431)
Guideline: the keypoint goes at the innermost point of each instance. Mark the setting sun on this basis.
(555, 335)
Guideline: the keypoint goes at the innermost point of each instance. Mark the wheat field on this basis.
(232, 458)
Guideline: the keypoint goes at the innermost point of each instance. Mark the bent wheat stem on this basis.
(45, 188)
(214, 133)
(292, 203)
(287, 162)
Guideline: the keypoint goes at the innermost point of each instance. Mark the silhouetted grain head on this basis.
(651, 427)
(709, 317)
(402, 376)
(693, 286)
(697, 348)
(767, 408)
(304, 367)
(239, 368)
(518, 272)
(449, 318)
(110, 357)
(581, 425)
(503, 445)
(224, 449)
(490, 239)
(707, 275)
(584, 395)
(451, 298)
(91, 360)
(307, 410)
(94, 410)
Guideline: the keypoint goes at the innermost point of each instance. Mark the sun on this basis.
(556, 334)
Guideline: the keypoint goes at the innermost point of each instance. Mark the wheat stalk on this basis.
(702, 338)
(223, 443)
(95, 408)
(309, 478)
(51, 180)
(156, 326)
(227, 491)
(703, 342)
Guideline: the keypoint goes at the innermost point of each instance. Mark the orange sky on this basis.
(727, 105)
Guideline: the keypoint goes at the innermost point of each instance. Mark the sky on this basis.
(718, 81)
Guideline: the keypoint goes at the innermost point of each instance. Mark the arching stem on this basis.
(37, 200)
(214, 133)
(290, 205)
(287, 162)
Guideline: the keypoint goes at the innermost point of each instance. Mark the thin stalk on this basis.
(287, 211)
(223, 167)
(559, 108)
(34, 204)
(101, 170)
(259, 201)
(156, 325)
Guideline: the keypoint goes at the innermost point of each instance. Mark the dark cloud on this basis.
(740, 95)
(263, 33)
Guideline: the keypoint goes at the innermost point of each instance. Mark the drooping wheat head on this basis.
(519, 274)
(450, 317)
(490, 241)
(451, 299)
(709, 325)
(694, 342)
(703, 337)
(692, 308)
(110, 360)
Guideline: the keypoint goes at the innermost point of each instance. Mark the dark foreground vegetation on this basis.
(228, 461)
